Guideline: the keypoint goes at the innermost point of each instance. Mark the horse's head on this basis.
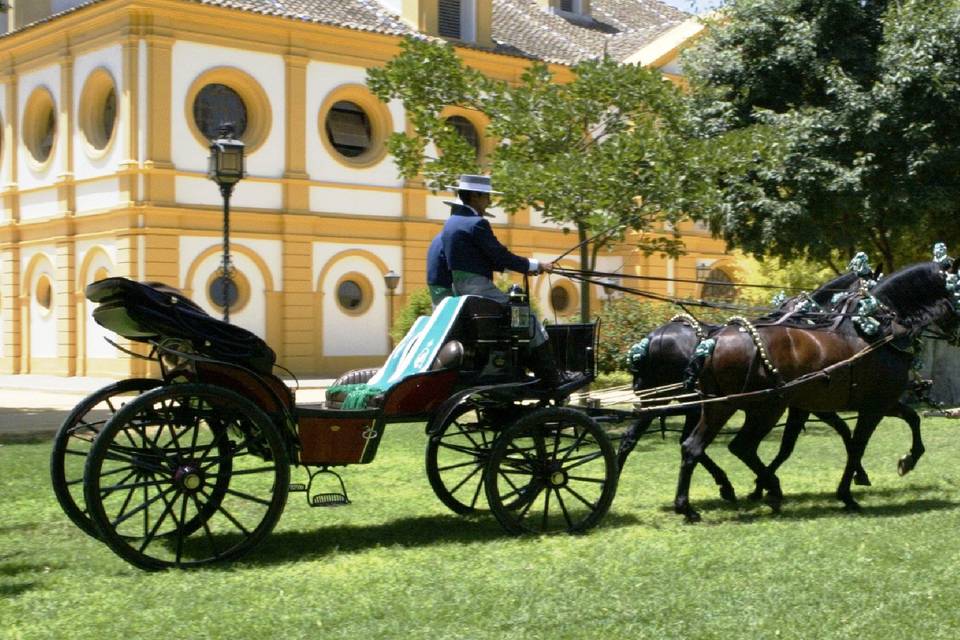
(921, 294)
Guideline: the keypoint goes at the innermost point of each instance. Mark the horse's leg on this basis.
(630, 438)
(796, 418)
(909, 460)
(712, 419)
(866, 423)
(759, 421)
(727, 491)
(860, 476)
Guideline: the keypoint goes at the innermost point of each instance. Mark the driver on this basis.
(473, 253)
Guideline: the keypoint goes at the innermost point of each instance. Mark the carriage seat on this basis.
(151, 312)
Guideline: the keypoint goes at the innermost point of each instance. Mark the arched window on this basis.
(719, 286)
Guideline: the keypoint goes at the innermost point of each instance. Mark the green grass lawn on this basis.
(395, 564)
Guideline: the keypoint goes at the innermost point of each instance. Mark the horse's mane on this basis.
(824, 293)
(918, 294)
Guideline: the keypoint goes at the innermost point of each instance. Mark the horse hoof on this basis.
(851, 506)
(756, 495)
(727, 493)
(775, 503)
(692, 517)
(905, 465)
(862, 479)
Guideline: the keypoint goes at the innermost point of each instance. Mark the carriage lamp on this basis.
(391, 279)
(226, 168)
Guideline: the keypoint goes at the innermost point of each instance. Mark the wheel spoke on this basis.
(180, 528)
(246, 472)
(582, 479)
(546, 511)
(476, 493)
(563, 508)
(143, 506)
(167, 510)
(579, 497)
(206, 528)
(584, 459)
(576, 444)
(465, 480)
(235, 522)
(458, 465)
(247, 496)
(470, 451)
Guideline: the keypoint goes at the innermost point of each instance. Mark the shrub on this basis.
(418, 304)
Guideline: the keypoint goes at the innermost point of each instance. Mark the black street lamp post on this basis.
(391, 279)
(226, 168)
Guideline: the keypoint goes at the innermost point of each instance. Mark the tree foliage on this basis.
(578, 152)
(850, 109)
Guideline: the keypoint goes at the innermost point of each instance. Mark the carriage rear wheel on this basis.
(185, 475)
(456, 456)
(73, 441)
(552, 470)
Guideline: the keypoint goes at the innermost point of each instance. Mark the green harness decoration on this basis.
(637, 352)
(863, 318)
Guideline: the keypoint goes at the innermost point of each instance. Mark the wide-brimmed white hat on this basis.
(480, 184)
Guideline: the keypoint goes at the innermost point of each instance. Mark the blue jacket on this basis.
(438, 273)
(469, 244)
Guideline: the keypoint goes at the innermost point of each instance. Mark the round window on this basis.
(348, 129)
(40, 125)
(559, 298)
(350, 295)
(216, 105)
(44, 292)
(354, 293)
(234, 290)
(466, 129)
(98, 109)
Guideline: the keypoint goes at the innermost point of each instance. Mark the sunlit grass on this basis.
(396, 564)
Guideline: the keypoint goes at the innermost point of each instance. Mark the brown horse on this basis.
(832, 370)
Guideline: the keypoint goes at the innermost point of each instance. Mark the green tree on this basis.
(850, 110)
(579, 152)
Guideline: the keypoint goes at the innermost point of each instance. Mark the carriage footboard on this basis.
(338, 437)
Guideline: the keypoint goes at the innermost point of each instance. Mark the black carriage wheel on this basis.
(552, 470)
(71, 446)
(456, 457)
(209, 477)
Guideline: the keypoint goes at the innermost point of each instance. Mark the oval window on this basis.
(348, 129)
(40, 125)
(44, 292)
(216, 105)
(559, 299)
(97, 114)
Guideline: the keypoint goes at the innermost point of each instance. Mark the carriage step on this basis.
(333, 498)
(329, 500)
(297, 486)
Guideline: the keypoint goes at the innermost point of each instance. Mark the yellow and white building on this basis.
(105, 111)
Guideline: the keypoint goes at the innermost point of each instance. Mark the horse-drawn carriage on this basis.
(194, 466)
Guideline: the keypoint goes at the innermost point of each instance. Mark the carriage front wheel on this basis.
(456, 456)
(185, 475)
(552, 470)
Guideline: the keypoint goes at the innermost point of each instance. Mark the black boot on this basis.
(544, 366)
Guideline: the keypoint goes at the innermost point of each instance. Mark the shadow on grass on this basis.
(13, 590)
(423, 531)
(812, 505)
